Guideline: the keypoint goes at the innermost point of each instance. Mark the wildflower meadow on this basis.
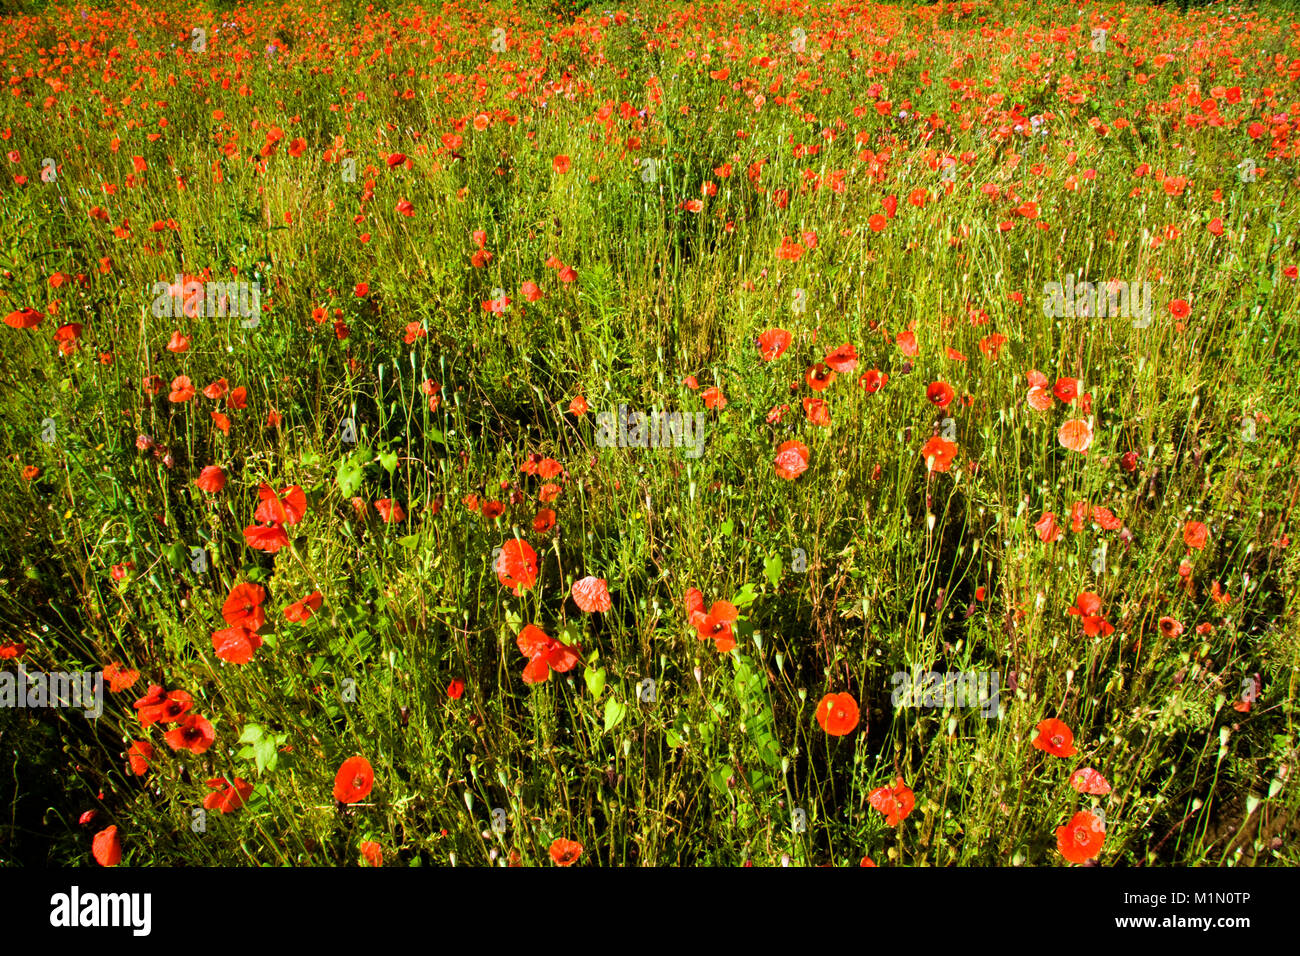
(710, 434)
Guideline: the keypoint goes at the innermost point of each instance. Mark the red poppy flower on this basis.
(24, 319)
(713, 397)
(456, 689)
(1055, 738)
(1066, 389)
(287, 507)
(694, 599)
(545, 654)
(789, 250)
(269, 539)
(1179, 309)
(773, 343)
(372, 853)
(119, 678)
(300, 611)
(227, 797)
(182, 389)
(1195, 535)
(1077, 514)
(192, 733)
(1039, 399)
(991, 345)
(212, 479)
(590, 594)
(549, 468)
(1088, 607)
(894, 802)
(1047, 528)
(906, 342)
(1080, 840)
(162, 707)
(235, 644)
(561, 164)
(138, 757)
(565, 852)
(1076, 435)
(107, 848)
(1087, 780)
(844, 359)
(578, 406)
(791, 459)
(873, 380)
(390, 510)
(544, 521)
(716, 625)
(67, 336)
(1106, 518)
(817, 411)
(819, 377)
(516, 565)
(940, 394)
(243, 607)
(353, 781)
(938, 453)
(837, 714)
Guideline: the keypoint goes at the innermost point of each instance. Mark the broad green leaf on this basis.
(349, 477)
(176, 556)
(745, 597)
(614, 712)
(595, 677)
(772, 567)
(251, 735)
(265, 754)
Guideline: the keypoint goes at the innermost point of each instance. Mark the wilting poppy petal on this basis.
(1075, 435)
(591, 594)
(107, 848)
